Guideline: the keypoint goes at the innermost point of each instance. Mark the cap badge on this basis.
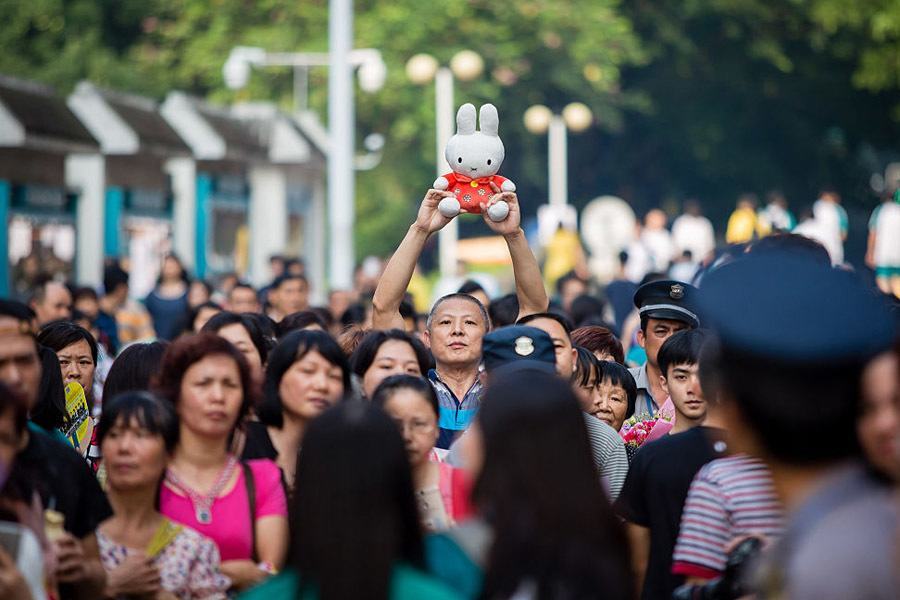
(524, 346)
(676, 292)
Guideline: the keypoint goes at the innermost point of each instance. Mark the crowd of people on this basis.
(732, 433)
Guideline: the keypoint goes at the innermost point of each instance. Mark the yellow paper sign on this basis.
(78, 424)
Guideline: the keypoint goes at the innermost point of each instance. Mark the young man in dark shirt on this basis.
(661, 473)
(62, 478)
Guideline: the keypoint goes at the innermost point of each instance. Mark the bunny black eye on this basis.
(459, 160)
(489, 162)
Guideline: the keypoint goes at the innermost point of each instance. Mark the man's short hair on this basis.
(562, 281)
(682, 348)
(459, 296)
(504, 310)
(114, 276)
(559, 318)
(282, 279)
(241, 285)
(16, 310)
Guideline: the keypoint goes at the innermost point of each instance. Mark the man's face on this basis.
(291, 296)
(243, 300)
(20, 366)
(57, 304)
(562, 345)
(571, 290)
(658, 331)
(456, 332)
(683, 386)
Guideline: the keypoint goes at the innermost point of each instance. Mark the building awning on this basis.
(34, 117)
(125, 123)
(213, 133)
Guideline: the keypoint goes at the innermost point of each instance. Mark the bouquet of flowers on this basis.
(637, 432)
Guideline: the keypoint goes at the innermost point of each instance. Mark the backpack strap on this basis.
(250, 483)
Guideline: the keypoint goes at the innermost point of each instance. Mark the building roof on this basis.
(35, 116)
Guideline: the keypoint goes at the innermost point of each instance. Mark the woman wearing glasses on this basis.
(441, 491)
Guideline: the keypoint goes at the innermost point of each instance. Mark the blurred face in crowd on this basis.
(683, 386)
(197, 294)
(206, 313)
(394, 357)
(57, 303)
(243, 300)
(417, 421)
(658, 331)
(20, 366)
(134, 457)
(77, 364)
(456, 332)
(171, 269)
(338, 302)
(610, 403)
(562, 345)
(310, 386)
(290, 297)
(240, 339)
(878, 427)
(571, 289)
(88, 306)
(210, 397)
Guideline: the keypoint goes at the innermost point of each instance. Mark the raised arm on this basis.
(529, 283)
(399, 270)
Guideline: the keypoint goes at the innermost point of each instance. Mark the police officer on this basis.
(665, 307)
(794, 337)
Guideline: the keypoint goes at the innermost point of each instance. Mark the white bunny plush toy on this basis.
(475, 157)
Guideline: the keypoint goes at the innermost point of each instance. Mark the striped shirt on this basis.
(729, 497)
(609, 454)
(455, 415)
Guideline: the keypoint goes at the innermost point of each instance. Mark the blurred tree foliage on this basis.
(701, 98)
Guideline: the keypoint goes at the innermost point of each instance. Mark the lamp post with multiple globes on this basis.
(539, 119)
(422, 69)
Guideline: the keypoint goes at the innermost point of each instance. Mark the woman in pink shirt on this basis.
(240, 506)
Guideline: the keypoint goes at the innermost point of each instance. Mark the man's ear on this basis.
(641, 339)
(426, 338)
(664, 383)
(574, 359)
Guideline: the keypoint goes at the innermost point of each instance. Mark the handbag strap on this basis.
(251, 502)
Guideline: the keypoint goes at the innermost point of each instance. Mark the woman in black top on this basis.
(306, 373)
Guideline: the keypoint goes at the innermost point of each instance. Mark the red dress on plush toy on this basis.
(473, 192)
(475, 157)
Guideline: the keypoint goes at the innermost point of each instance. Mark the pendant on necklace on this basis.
(204, 515)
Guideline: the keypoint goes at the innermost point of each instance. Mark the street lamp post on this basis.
(421, 69)
(341, 59)
(539, 120)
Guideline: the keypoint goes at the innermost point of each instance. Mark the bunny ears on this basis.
(465, 119)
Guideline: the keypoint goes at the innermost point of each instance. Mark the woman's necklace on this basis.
(203, 502)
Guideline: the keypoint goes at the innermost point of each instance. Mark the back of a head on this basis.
(114, 277)
(354, 508)
(504, 310)
(586, 308)
(134, 368)
(792, 243)
(536, 451)
(50, 407)
(794, 336)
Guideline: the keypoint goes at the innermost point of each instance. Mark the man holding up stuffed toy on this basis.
(457, 323)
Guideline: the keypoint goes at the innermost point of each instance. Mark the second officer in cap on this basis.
(665, 307)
